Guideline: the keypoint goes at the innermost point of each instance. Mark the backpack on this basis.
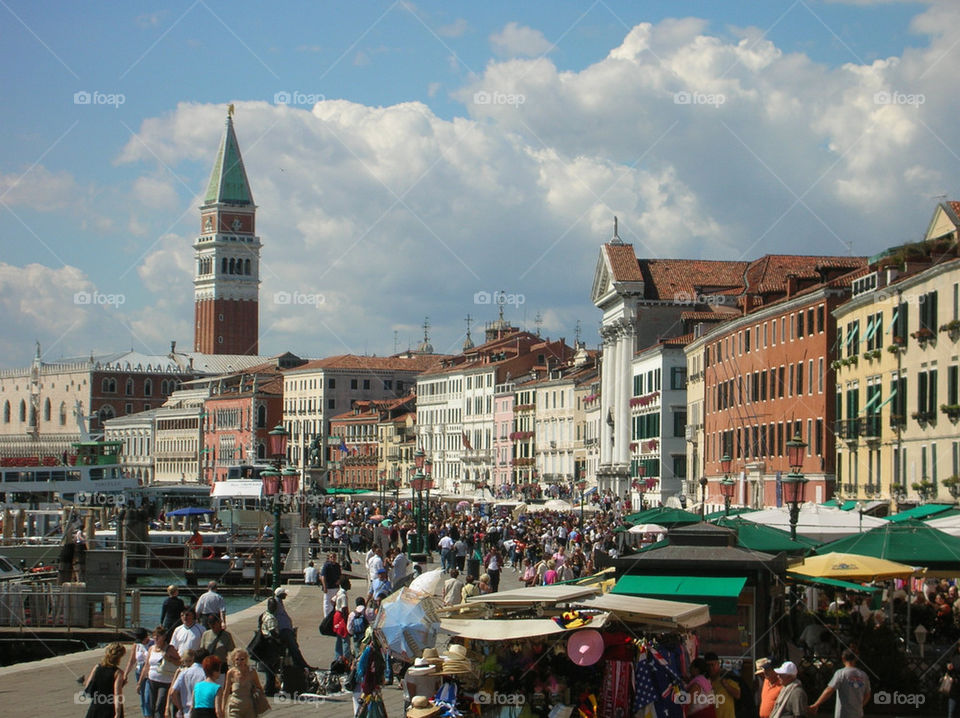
(326, 625)
(358, 624)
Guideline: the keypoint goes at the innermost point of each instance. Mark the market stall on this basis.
(565, 651)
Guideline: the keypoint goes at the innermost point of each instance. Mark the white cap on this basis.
(280, 591)
(789, 668)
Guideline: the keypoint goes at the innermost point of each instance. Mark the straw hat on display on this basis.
(431, 656)
(420, 707)
(457, 662)
(422, 667)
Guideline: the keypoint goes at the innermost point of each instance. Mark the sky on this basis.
(412, 160)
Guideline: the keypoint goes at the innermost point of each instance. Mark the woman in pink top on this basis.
(700, 701)
(550, 575)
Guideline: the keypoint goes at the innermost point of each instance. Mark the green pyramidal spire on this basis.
(228, 181)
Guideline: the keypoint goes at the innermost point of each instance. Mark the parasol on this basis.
(407, 623)
(339, 522)
(852, 567)
(647, 529)
(429, 583)
(463, 505)
(190, 511)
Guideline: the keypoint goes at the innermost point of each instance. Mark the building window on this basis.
(366, 384)
(63, 414)
(128, 408)
(678, 378)
(23, 411)
(853, 338)
(680, 467)
(679, 423)
(928, 311)
(353, 384)
(46, 410)
(331, 383)
(331, 403)
(820, 311)
(800, 325)
(108, 386)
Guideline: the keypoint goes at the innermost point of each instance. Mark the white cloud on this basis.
(155, 193)
(516, 40)
(40, 189)
(455, 29)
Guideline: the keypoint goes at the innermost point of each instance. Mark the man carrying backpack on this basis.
(357, 624)
(330, 581)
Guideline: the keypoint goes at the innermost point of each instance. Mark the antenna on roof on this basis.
(616, 234)
(576, 334)
(538, 320)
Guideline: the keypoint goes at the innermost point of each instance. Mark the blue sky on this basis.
(393, 192)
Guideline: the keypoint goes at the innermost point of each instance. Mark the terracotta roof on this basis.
(955, 208)
(684, 279)
(769, 273)
(680, 341)
(623, 262)
(717, 316)
(416, 363)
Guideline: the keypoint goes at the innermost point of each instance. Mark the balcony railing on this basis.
(848, 429)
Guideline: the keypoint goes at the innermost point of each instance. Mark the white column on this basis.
(623, 397)
(608, 370)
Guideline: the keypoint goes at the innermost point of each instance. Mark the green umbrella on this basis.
(663, 516)
(911, 542)
(757, 537)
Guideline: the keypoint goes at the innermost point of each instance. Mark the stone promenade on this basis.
(49, 687)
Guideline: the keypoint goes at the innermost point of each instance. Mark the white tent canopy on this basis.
(510, 629)
(652, 611)
(820, 523)
(948, 524)
(237, 488)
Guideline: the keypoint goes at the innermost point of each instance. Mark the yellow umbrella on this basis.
(851, 566)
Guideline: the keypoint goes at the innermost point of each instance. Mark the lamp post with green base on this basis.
(727, 485)
(278, 448)
(795, 482)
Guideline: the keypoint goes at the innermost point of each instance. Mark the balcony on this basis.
(848, 429)
(475, 456)
(871, 426)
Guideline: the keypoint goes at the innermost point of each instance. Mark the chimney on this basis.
(173, 348)
(792, 285)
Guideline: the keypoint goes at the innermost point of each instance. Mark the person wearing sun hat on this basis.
(420, 707)
(792, 701)
(770, 688)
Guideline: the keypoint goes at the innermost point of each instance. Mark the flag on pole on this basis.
(466, 441)
(343, 446)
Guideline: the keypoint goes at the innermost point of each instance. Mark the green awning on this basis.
(738, 511)
(873, 400)
(663, 516)
(758, 537)
(718, 592)
(846, 585)
(845, 506)
(920, 512)
(893, 394)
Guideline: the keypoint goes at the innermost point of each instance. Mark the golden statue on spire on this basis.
(230, 110)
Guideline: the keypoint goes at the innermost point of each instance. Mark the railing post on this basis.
(135, 607)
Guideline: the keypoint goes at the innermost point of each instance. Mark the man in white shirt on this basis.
(374, 563)
(181, 691)
(446, 552)
(400, 568)
(186, 637)
(311, 575)
(211, 603)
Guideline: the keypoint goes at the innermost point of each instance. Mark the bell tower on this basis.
(226, 282)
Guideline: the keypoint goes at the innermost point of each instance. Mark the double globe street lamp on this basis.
(727, 485)
(277, 484)
(795, 482)
(421, 481)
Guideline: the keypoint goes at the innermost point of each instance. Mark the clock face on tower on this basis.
(237, 224)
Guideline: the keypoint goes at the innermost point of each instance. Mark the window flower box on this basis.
(951, 410)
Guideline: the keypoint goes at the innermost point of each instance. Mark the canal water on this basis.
(151, 603)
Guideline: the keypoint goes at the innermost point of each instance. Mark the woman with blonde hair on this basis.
(104, 685)
(237, 697)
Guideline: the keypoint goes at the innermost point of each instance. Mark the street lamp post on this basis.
(795, 482)
(703, 495)
(582, 485)
(727, 485)
(278, 448)
(416, 488)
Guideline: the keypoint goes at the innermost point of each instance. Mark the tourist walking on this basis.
(270, 651)
(236, 698)
(769, 688)
(492, 562)
(186, 636)
(138, 658)
(104, 685)
(171, 609)
(726, 689)
(189, 674)
(211, 603)
(217, 640)
(852, 687)
(162, 662)
(311, 576)
(288, 636)
(206, 692)
(330, 575)
(452, 588)
(792, 701)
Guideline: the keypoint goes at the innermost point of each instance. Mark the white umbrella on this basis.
(647, 529)
(557, 505)
(429, 583)
(821, 523)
